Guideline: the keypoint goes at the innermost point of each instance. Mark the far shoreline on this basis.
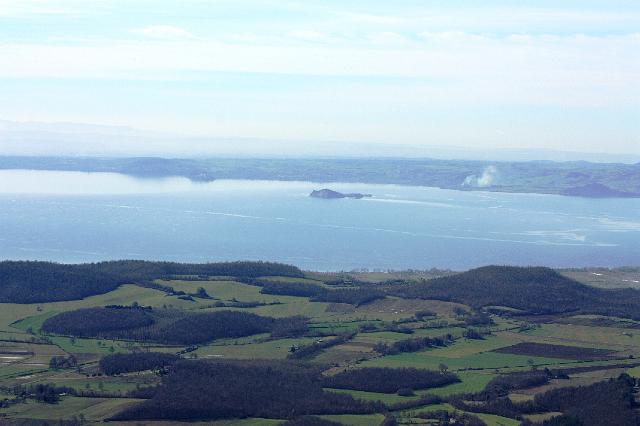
(323, 183)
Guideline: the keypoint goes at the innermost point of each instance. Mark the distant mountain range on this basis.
(89, 140)
(579, 178)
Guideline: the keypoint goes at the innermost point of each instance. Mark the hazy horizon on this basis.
(316, 78)
(36, 139)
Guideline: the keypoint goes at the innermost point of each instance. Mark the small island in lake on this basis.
(331, 194)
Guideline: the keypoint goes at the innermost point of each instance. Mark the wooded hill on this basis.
(38, 282)
(358, 295)
(217, 390)
(168, 326)
(609, 402)
(533, 290)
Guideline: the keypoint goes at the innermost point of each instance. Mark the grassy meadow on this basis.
(26, 351)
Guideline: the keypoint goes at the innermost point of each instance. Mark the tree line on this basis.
(309, 351)
(137, 361)
(533, 290)
(200, 390)
(413, 344)
(168, 326)
(354, 295)
(608, 402)
(36, 282)
(389, 380)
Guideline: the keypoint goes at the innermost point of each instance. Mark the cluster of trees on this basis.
(169, 326)
(137, 361)
(283, 288)
(478, 319)
(389, 380)
(446, 418)
(35, 282)
(345, 281)
(218, 390)
(473, 333)
(309, 351)
(425, 313)
(91, 322)
(60, 362)
(289, 326)
(534, 290)
(505, 383)
(412, 345)
(41, 392)
(353, 296)
(556, 351)
(205, 327)
(142, 270)
(609, 402)
(603, 403)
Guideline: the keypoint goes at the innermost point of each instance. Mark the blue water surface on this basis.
(82, 217)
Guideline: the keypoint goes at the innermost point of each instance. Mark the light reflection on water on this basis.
(46, 182)
(75, 217)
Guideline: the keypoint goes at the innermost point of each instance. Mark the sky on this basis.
(547, 74)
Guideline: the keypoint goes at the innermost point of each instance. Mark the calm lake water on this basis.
(82, 217)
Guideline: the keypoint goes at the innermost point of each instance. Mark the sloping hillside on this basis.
(36, 282)
(536, 290)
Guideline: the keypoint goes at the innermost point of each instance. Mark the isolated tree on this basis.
(202, 293)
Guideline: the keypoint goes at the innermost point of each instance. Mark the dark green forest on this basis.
(168, 326)
(389, 380)
(534, 290)
(136, 361)
(36, 282)
(217, 390)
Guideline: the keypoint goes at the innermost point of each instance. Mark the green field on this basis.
(25, 351)
(356, 420)
(69, 407)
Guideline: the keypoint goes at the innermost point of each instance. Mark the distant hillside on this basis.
(165, 326)
(142, 167)
(35, 282)
(535, 290)
(596, 190)
(546, 177)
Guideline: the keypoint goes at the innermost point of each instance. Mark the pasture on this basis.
(509, 343)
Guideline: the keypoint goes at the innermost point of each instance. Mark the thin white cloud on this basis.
(372, 19)
(10, 8)
(419, 60)
(454, 37)
(23, 8)
(311, 35)
(496, 19)
(163, 32)
(571, 70)
(388, 38)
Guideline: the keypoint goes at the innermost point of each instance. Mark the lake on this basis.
(87, 217)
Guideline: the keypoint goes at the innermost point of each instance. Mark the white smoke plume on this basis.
(489, 177)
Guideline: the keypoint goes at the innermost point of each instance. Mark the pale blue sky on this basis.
(519, 74)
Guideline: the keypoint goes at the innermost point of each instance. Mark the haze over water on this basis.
(87, 217)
